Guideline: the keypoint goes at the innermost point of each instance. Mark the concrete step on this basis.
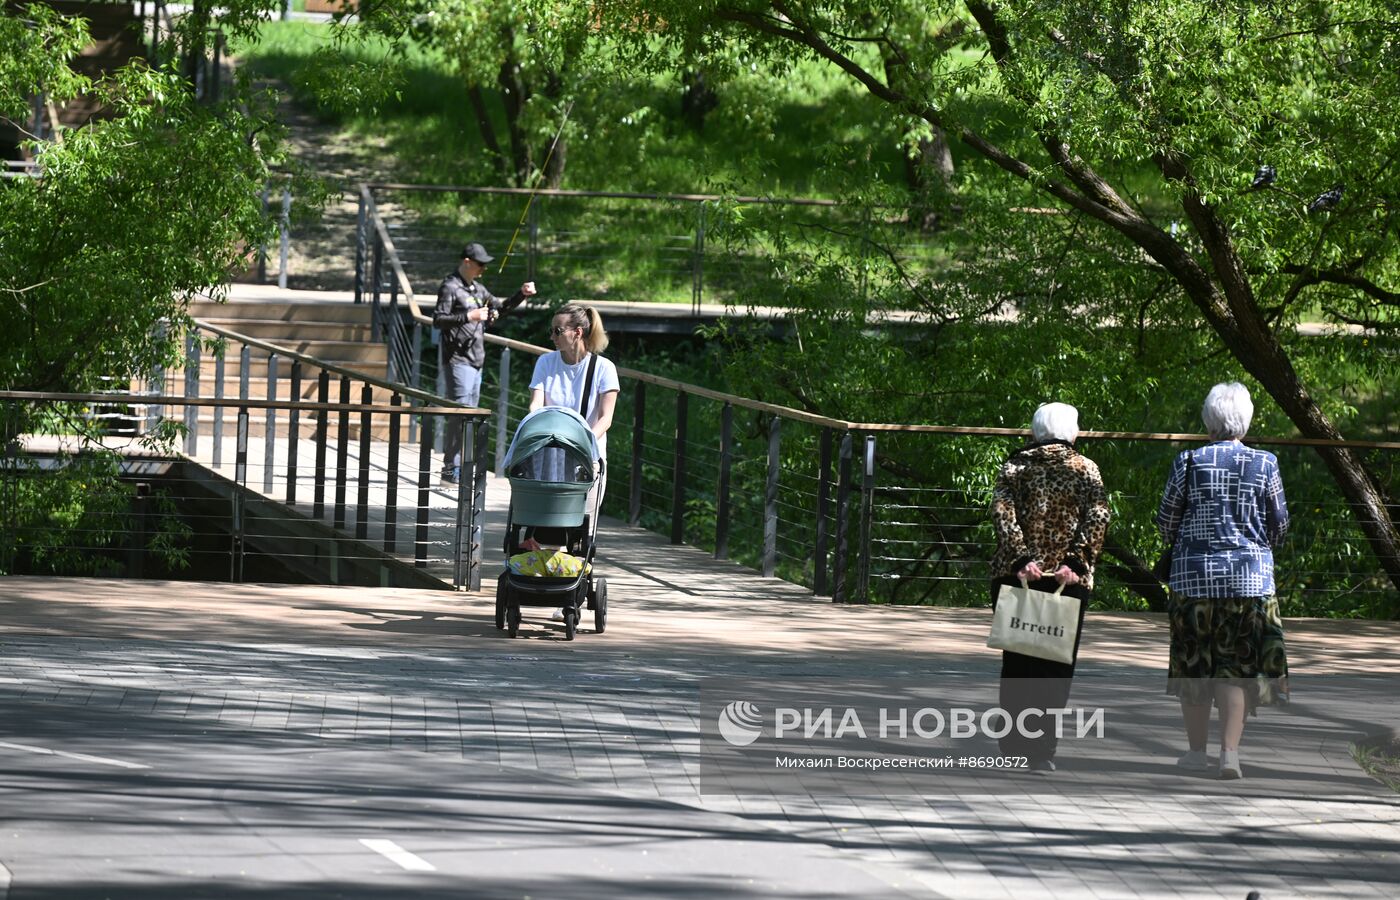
(257, 369)
(282, 332)
(257, 387)
(282, 311)
(339, 352)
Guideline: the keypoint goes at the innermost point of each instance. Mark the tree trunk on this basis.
(928, 162)
(488, 131)
(199, 35)
(555, 153)
(697, 98)
(1229, 307)
(554, 169)
(928, 169)
(515, 93)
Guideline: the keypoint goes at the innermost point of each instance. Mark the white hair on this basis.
(1055, 422)
(1228, 410)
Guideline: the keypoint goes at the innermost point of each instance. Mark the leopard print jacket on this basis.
(1049, 505)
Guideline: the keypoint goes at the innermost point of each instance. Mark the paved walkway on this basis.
(424, 677)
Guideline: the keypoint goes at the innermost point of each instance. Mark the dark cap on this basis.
(476, 253)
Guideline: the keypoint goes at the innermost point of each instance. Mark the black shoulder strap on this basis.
(587, 387)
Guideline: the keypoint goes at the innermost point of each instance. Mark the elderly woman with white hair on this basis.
(1050, 513)
(1222, 514)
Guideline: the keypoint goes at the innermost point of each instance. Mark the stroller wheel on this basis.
(513, 619)
(502, 595)
(570, 623)
(600, 606)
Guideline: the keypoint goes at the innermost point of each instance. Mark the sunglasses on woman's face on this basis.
(560, 329)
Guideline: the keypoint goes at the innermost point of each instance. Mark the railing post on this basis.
(293, 433)
(191, 391)
(770, 499)
(391, 495)
(819, 581)
(270, 428)
(425, 485)
(839, 594)
(867, 504)
(639, 415)
(218, 435)
(240, 479)
(726, 468)
(461, 539)
(262, 248)
(318, 486)
(394, 331)
(413, 423)
(476, 531)
(376, 332)
(285, 226)
(360, 221)
(245, 363)
(697, 292)
(342, 452)
(503, 413)
(362, 495)
(678, 487)
(155, 412)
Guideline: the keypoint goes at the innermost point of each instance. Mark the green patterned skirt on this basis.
(1238, 640)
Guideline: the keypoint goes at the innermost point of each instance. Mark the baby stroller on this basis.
(552, 464)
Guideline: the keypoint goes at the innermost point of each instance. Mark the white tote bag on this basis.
(1035, 623)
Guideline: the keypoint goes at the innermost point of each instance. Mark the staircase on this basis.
(334, 331)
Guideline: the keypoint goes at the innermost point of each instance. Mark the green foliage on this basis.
(35, 47)
(99, 252)
(131, 217)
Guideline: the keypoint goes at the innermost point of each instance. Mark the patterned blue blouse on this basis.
(1225, 524)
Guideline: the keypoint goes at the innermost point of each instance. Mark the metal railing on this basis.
(836, 504)
(324, 471)
(833, 504)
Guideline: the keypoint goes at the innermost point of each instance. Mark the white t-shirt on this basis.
(563, 386)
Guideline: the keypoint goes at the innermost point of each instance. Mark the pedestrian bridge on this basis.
(329, 469)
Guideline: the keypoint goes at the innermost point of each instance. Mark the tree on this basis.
(492, 47)
(127, 221)
(1149, 123)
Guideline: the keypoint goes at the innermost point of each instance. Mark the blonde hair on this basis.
(579, 315)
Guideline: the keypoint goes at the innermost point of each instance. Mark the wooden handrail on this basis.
(844, 425)
(390, 251)
(250, 402)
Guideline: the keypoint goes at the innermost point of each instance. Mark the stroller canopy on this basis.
(552, 464)
(554, 426)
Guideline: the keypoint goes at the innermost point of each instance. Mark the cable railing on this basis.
(838, 505)
(333, 486)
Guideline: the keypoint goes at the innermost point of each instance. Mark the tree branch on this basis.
(1338, 276)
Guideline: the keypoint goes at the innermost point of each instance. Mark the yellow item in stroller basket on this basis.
(550, 563)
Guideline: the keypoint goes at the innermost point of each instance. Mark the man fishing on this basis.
(464, 308)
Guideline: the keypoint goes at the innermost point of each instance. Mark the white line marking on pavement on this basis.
(4, 882)
(45, 751)
(399, 855)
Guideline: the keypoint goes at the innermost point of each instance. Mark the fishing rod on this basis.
(539, 178)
